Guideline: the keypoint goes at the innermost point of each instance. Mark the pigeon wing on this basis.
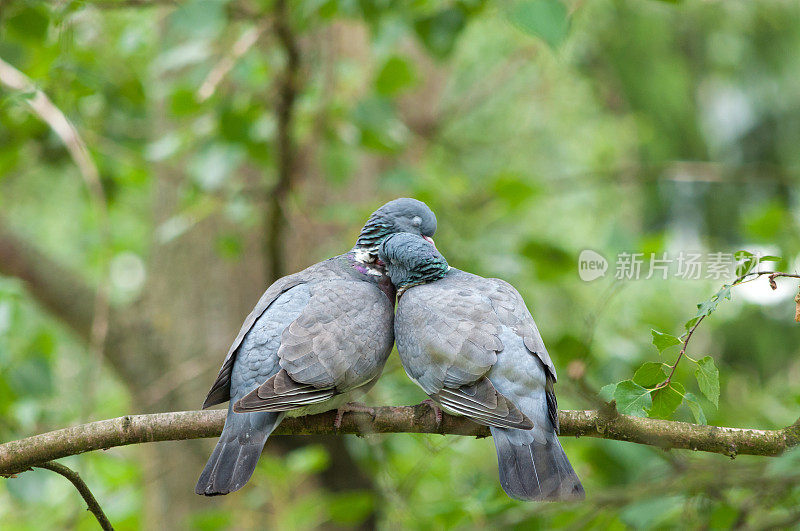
(511, 310)
(221, 388)
(448, 340)
(338, 343)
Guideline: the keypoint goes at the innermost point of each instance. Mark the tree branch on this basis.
(83, 489)
(18, 456)
(70, 299)
(237, 10)
(243, 44)
(60, 291)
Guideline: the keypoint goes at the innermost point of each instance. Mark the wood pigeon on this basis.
(470, 343)
(313, 340)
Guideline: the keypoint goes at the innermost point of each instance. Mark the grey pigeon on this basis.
(470, 343)
(314, 339)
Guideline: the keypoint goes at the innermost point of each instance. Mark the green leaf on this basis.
(183, 102)
(549, 260)
(438, 32)
(663, 341)
(707, 376)
(513, 189)
(350, 508)
(30, 23)
(769, 258)
(396, 75)
(690, 323)
(650, 374)
(308, 459)
(607, 392)
(724, 516)
(697, 410)
(666, 400)
(229, 246)
(546, 19)
(380, 129)
(632, 398)
(708, 306)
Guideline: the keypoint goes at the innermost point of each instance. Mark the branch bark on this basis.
(18, 456)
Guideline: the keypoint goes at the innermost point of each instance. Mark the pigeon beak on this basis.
(429, 240)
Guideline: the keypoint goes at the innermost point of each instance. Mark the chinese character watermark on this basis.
(686, 265)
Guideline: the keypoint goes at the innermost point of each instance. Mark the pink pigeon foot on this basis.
(436, 409)
(351, 407)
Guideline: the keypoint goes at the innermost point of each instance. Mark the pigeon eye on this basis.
(416, 221)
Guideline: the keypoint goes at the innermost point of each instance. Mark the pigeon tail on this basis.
(236, 454)
(533, 470)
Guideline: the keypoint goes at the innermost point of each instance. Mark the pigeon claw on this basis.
(436, 410)
(350, 407)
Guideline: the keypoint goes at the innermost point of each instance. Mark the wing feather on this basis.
(342, 318)
(484, 404)
(221, 388)
(281, 393)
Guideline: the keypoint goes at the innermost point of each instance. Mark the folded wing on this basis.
(448, 341)
(317, 349)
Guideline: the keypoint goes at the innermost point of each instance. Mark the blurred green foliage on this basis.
(535, 129)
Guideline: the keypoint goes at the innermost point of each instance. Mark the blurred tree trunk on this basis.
(196, 301)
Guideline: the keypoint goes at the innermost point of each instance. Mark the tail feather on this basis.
(234, 458)
(531, 470)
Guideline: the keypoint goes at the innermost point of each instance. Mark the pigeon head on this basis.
(401, 215)
(411, 260)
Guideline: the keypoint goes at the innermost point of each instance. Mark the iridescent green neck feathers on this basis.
(410, 261)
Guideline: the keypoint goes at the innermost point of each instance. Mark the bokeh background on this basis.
(237, 141)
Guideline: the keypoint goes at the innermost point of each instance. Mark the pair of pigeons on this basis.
(320, 337)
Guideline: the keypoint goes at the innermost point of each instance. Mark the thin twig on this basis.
(666, 382)
(84, 491)
(238, 10)
(243, 44)
(797, 309)
(756, 274)
(742, 279)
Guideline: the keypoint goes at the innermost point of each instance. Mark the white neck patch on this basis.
(365, 257)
